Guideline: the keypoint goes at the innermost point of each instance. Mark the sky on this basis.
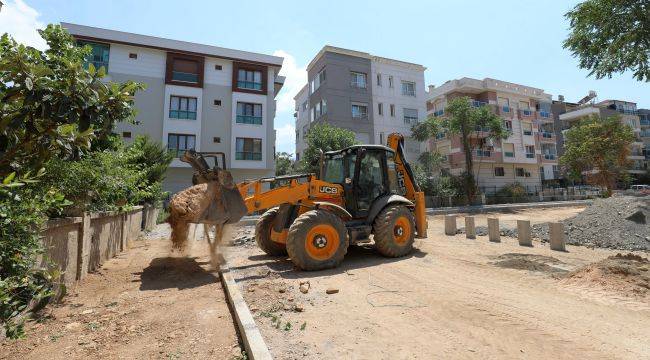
(518, 41)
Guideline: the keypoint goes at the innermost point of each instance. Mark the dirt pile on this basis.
(529, 262)
(628, 275)
(187, 207)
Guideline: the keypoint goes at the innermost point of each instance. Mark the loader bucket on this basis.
(228, 206)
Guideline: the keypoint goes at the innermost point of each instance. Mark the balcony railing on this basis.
(249, 85)
(509, 154)
(476, 103)
(530, 156)
(479, 128)
(547, 134)
(549, 156)
(505, 109)
(528, 132)
(483, 153)
(185, 77)
(627, 111)
(527, 112)
(544, 114)
(438, 113)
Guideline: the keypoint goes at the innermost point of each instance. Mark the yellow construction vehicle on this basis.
(360, 191)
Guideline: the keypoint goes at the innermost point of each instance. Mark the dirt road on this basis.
(143, 304)
(449, 299)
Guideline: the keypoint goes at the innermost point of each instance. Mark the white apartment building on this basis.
(198, 97)
(370, 95)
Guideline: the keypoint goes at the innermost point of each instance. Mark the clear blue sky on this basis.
(517, 41)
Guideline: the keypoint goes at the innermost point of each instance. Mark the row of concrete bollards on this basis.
(524, 232)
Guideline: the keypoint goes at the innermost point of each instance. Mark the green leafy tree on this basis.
(283, 164)
(151, 160)
(611, 36)
(327, 138)
(598, 149)
(50, 106)
(463, 119)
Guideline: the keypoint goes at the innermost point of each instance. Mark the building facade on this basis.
(198, 97)
(644, 122)
(370, 95)
(528, 156)
(628, 114)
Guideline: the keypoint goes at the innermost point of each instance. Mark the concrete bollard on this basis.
(483, 199)
(524, 233)
(494, 233)
(556, 233)
(470, 229)
(450, 225)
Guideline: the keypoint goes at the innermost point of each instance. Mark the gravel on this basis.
(620, 222)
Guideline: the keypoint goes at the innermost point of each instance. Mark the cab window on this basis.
(393, 180)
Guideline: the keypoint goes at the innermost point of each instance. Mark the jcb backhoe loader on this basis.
(361, 190)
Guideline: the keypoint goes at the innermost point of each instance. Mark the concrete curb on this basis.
(478, 209)
(254, 344)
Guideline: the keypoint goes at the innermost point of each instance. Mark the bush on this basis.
(514, 191)
(22, 215)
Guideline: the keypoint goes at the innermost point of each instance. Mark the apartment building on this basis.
(198, 97)
(370, 95)
(629, 115)
(528, 156)
(644, 122)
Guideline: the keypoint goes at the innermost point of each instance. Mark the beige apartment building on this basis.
(528, 156)
(629, 115)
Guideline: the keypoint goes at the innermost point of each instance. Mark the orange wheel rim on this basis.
(402, 230)
(322, 242)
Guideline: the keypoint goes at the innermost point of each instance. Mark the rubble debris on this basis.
(304, 287)
(330, 291)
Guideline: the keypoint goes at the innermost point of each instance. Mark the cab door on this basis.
(370, 180)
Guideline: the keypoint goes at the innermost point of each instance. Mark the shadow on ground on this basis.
(175, 272)
(358, 257)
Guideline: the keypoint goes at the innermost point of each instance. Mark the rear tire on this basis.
(317, 240)
(394, 230)
(263, 234)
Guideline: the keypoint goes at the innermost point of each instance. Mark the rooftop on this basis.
(470, 85)
(121, 37)
(365, 55)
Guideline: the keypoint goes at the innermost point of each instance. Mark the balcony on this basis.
(544, 115)
(645, 122)
(546, 136)
(526, 113)
(438, 113)
(483, 153)
(627, 111)
(505, 111)
(476, 103)
(549, 156)
(530, 155)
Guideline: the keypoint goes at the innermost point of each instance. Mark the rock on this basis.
(290, 298)
(304, 288)
(299, 308)
(637, 217)
(73, 326)
(331, 291)
(286, 307)
(87, 312)
(282, 290)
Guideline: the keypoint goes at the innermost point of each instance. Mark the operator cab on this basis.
(366, 173)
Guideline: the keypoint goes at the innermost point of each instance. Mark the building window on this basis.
(392, 110)
(499, 171)
(216, 140)
(530, 151)
(504, 104)
(408, 88)
(390, 81)
(317, 81)
(126, 134)
(508, 125)
(357, 80)
(359, 111)
(378, 79)
(177, 144)
(248, 149)
(218, 67)
(520, 172)
(410, 116)
(185, 70)
(133, 56)
(380, 108)
(182, 108)
(381, 138)
(305, 129)
(217, 103)
(509, 150)
(99, 54)
(527, 128)
(319, 109)
(248, 113)
(249, 79)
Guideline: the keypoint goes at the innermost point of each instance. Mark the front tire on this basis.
(317, 240)
(394, 230)
(263, 234)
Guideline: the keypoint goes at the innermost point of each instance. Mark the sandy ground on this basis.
(452, 298)
(143, 304)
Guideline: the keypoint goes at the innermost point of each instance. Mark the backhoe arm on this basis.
(407, 182)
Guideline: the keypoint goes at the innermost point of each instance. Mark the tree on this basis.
(598, 149)
(51, 106)
(283, 164)
(611, 36)
(463, 119)
(327, 138)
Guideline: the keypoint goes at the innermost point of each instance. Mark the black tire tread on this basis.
(383, 229)
(263, 234)
(298, 231)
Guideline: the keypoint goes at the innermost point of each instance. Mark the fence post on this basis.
(565, 195)
(523, 233)
(541, 195)
(450, 201)
(450, 225)
(83, 246)
(557, 240)
(493, 230)
(470, 229)
(483, 199)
